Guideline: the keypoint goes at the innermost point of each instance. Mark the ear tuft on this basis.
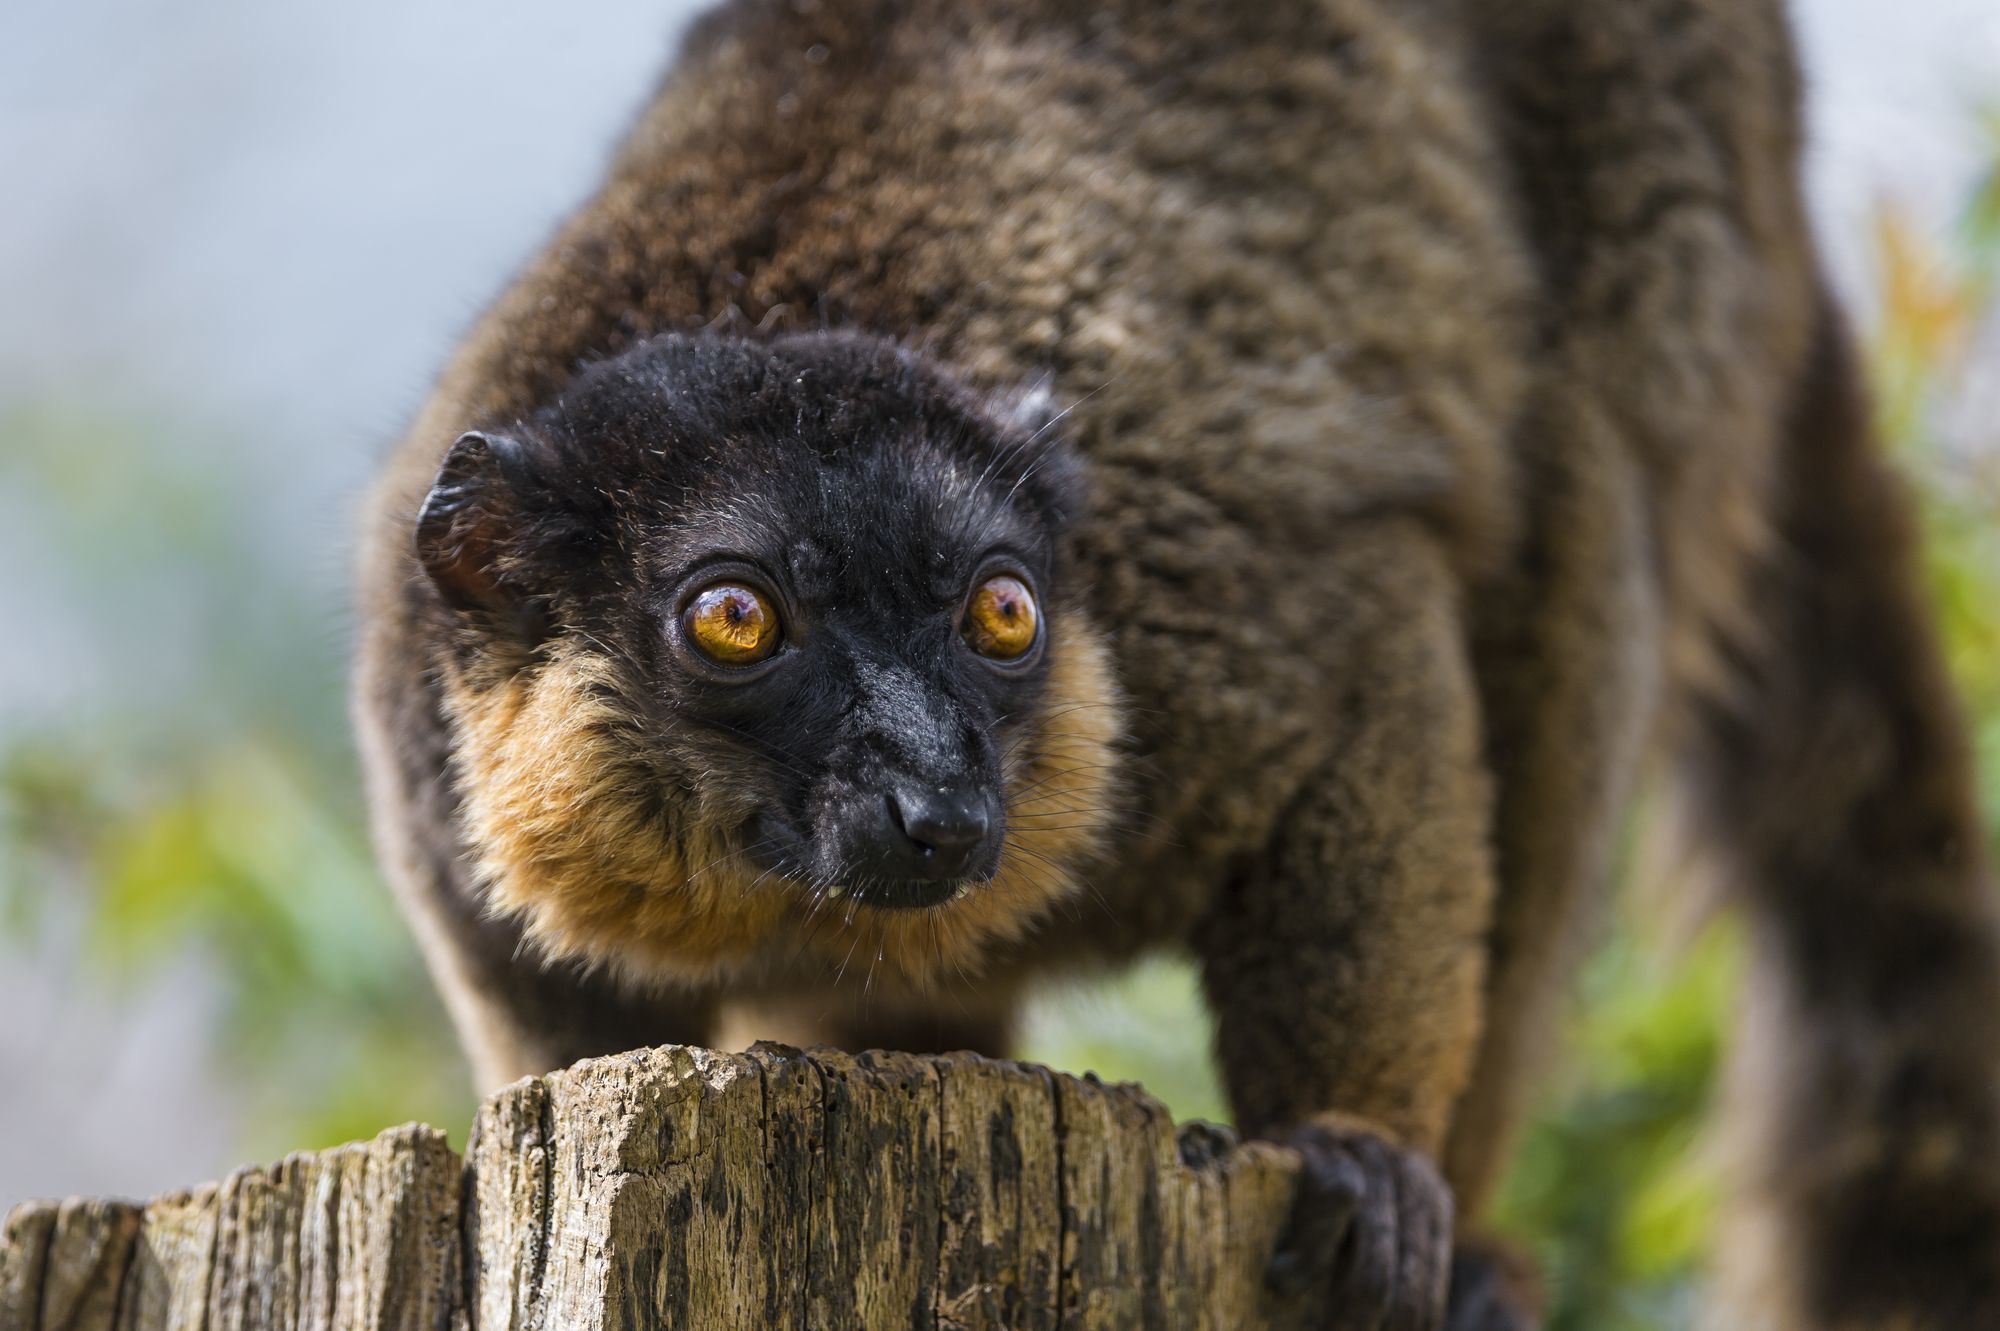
(466, 519)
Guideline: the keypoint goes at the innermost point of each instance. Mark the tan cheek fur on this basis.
(562, 844)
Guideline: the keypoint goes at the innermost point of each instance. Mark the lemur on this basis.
(987, 490)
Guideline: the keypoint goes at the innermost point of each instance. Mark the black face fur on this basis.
(864, 495)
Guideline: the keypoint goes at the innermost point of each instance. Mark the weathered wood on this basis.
(24, 1256)
(89, 1251)
(507, 1208)
(681, 1188)
(1000, 1245)
(172, 1263)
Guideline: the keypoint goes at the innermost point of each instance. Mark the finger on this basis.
(1424, 1251)
(1367, 1273)
(1330, 1189)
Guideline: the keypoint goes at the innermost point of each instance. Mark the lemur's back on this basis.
(1214, 221)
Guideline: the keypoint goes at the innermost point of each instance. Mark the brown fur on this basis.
(1451, 381)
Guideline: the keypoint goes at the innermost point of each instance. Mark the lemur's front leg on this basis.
(1345, 967)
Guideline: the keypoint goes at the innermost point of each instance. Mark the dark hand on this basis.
(1370, 1236)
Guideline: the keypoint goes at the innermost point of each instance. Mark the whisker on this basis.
(818, 919)
(1065, 872)
(842, 973)
(1063, 774)
(785, 757)
(726, 856)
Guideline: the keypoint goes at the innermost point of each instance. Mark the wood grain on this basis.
(682, 1188)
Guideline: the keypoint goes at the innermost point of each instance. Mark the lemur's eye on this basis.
(731, 624)
(1001, 621)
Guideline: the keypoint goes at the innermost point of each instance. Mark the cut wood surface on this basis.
(681, 1188)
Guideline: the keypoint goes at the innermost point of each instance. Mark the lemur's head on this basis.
(761, 647)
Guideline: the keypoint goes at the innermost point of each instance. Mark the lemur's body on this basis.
(1460, 421)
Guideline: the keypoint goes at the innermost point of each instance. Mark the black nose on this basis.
(945, 829)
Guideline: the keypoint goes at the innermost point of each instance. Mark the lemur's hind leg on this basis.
(1567, 648)
(1493, 1288)
(1840, 775)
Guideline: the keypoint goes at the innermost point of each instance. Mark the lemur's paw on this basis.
(1369, 1235)
(1492, 1289)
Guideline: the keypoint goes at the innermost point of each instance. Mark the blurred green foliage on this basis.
(205, 802)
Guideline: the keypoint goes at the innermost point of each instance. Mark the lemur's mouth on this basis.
(907, 893)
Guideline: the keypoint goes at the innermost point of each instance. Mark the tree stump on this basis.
(680, 1188)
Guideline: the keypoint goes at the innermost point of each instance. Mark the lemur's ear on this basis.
(467, 518)
(1033, 412)
(1050, 473)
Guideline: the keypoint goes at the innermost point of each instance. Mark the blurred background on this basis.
(237, 240)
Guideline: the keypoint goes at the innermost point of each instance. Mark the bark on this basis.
(679, 1188)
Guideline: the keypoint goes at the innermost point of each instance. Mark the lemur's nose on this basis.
(946, 828)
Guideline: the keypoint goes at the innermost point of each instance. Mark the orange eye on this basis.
(731, 624)
(1001, 621)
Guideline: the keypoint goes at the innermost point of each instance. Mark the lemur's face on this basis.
(764, 645)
